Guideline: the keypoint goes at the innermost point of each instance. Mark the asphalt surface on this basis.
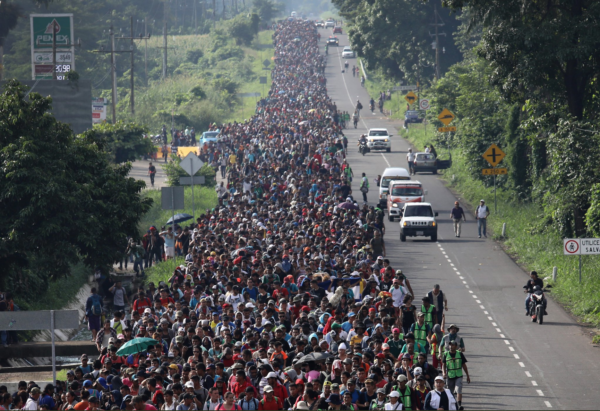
(513, 363)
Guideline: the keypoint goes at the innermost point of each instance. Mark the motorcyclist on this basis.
(533, 282)
(362, 142)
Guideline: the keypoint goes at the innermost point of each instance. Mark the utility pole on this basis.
(165, 51)
(146, 50)
(195, 19)
(437, 41)
(114, 74)
(214, 13)
(54, 49)
(114, 67)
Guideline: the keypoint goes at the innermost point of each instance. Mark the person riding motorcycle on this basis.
(362, 143)
(530, 288)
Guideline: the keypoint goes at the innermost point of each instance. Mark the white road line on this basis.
(527, 373)
(474, 296)
(464, 282)
(485, 312)
(534, 383)
(462, 278)
(386, 160)
(517, 356)
(494, 324)
(490, 318)
(506, 342)
(471, 291)
(511, 348)
(548, 404)
(452, 265)
(454, 268)
(482, 307)
(499, 330)
(522, 365)
(457, 273)
(540, 393)
(467, 286)
(502, 336)
(478, 302)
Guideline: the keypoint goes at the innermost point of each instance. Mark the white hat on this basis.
(189, 384)
(272, 374)
(147, 311)
(439, 377)
(302, 405)
(249, 305)
(418, 371)
(395, 394)
(342, 347)
(181, 330)
(268, 388)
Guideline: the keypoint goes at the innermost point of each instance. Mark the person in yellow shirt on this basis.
(232, 159)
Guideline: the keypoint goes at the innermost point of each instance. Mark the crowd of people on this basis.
(286, 299)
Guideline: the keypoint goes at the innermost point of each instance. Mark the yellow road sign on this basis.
(494, 171)
(410, 97)
(494, 155)
(446, 129)
(446, 116)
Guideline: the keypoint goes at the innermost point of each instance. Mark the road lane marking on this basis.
(462, 278)
(467, 286)
(490, 318)
(511, 348)
(502, 336)
(548, 404)
(506, 342)
(522, 365)
(540, 393)
(482, 307)
(474, 296)
(386, 160)
(517, 356)
(478, 302)
(454, 268)
(527, 373)
(471, 291)
(534, 383)
(499, 330)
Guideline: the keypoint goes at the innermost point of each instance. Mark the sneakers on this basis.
(527, 313)
(479, 236)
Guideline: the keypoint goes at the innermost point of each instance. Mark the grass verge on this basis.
(205, 198)
(530, 248)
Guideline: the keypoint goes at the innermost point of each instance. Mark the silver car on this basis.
(425, 162)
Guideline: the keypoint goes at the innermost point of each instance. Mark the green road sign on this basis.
(41, 30)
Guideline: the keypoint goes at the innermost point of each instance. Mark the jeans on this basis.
(364, 197)
(137, 266)
(481, 224)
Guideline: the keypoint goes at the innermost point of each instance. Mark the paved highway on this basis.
(513, 363)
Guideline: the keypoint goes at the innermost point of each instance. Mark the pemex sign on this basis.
(41, 30)
(44, 27)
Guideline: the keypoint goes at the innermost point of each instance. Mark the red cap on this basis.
(372, 309)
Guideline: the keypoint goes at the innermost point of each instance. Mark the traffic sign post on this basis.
(191, 164)
(424, 104)
(446, 116)
(446, 129)
(581, 246)
(494, 155)
(410, 97)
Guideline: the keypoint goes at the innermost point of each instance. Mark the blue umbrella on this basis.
(180, 218)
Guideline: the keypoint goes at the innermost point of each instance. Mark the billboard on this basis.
(42, 35)
(99, 109)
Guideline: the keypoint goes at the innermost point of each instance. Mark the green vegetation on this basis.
(62, 200)
(162, 271)
(540, 108)
(124, 141)
(205, 198)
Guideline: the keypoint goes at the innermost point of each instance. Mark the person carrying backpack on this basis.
(229, 403)
(270, 401)
(93, 312)
(248, 402)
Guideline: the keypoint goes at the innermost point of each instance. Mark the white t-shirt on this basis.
(234, 300)
(394, 407)
(482, 211)
(410, 156)
(398, 295)
(427, 150)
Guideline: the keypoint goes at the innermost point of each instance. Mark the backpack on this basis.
(221, 405)
(96, 307)
(253, 401)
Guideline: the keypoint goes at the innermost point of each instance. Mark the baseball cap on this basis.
(395, 393)
(439, 377)
(268, 388)
(418, 371)
(402, 377)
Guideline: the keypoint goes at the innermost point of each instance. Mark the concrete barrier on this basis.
(44, 349)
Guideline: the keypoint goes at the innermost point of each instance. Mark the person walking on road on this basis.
(410, 158)
(481, 214)
(93, 312)
(438, 299)
(457, 214)
(453, 365)
(364, 187)
(440, 398)
(151, 173)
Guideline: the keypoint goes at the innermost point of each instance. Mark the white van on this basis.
(400, 192)
(390, 174)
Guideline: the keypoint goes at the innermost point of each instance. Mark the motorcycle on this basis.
(537, 301)
(363, 149)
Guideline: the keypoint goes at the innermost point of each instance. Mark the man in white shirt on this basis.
(410, 157)
(398, 293)
(440, 398)
(32, 401)
(481, 214)
(394, 403)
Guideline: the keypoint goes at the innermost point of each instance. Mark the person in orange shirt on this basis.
(84, 403)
